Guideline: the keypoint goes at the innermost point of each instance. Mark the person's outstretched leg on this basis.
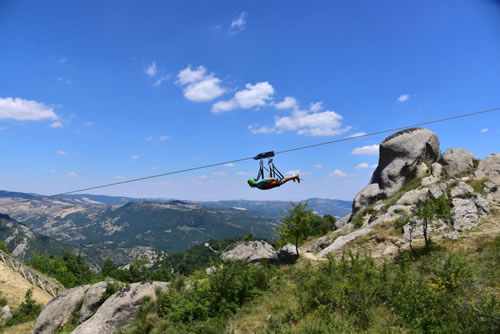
(288, 178)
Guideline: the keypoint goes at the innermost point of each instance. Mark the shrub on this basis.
(27, 311)
(3, 247)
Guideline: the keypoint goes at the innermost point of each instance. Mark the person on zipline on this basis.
(270, 182)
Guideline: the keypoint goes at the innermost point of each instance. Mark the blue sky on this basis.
(94, 92)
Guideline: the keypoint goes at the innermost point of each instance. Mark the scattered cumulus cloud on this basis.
(403, 98)
(61, 152)
(229, 165)
(134, 157)
(198, 85)
(160, 79)
(296, 172)
(311, 122)
(484, 130)
(219, 173)
(362, 165)
(238, 24)
(57, 124)
(337, 173)
(357, 134)
(164, 138)
(366, 150)
(318, 166)
(151, 69)
(253, 96)
(288, 103)
(72, 174)
(25, 110)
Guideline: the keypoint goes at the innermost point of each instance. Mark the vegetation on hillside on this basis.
(27, 311)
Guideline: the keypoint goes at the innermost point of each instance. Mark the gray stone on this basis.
(489, 168)
(462, 190)
(320, 243)
(57, 313)
(451, 235)
(249, 251)
(457, 160)
(438, 190)
(5, 313)
(400, 154)
(341, 241)
(429, 180)
(413, 197)
(92, 300)
(379, 207)
(369, 194)
(421, 170)
(119, 309)
(405, 209)
(342, 221)
(482, 205)
(464, 214)
(288, 251)
(437, 169)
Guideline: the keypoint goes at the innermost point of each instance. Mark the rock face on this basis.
(58, 311)
(288, 252)
(92, 300)
(341, 241)
(489, 168)
(321, 243)
(249, 251)
(413, 197)
(400, 155)
(464, 214)
(457, 160)
(437, 190)
(119, 309)
(5, 313)
(462, 190)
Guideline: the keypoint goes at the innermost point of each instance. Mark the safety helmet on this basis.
(251, 181)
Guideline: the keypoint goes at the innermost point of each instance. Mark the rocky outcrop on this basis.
(464, 214)
(288, 252)
(249, 251)
(320, 243)
(93, 298)
(462, 190)
(57, 313)
(343, 240)
(413, 197)
(401, 154)
(5, 313)
(438, 190)
(457, 161)
(119, 309)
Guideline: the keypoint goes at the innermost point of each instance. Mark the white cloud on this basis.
(484, 130)
(229, 165)
(288, 103)
(25, 110)
(149, 138)
(362, 165)
(66, 81)
(159, 80)
(56, 125)
(256, 129)
(61, 152)
(72, 174)
(89, 124)
(151, 70)
(134, 157)
(374, 166)
(338, 173)
(219, 173)
(296, 172)
(316, 106)
(252, 96)
(403, 98)
(357, 134)
(325, 123)
(238, 24)
(201, 87)
(244, 174)
(52, 170)
(318, 166)
(366, 150)
(164, 138)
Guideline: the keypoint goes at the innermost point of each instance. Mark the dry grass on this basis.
(13, 287)
(24, 328)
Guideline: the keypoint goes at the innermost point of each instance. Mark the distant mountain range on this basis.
(124, 223)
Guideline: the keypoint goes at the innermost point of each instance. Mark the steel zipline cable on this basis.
(250, 158)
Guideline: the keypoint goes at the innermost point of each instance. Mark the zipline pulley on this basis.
(274, 173)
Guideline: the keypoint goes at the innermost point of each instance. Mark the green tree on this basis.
(328, 224)
(3, 247)
(298, 224)
(426, 211)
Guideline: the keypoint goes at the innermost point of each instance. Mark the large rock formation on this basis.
(457, 161)
(249, 251)
(119, 309)
(57, 313)
(400, 156)
(93, 298)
